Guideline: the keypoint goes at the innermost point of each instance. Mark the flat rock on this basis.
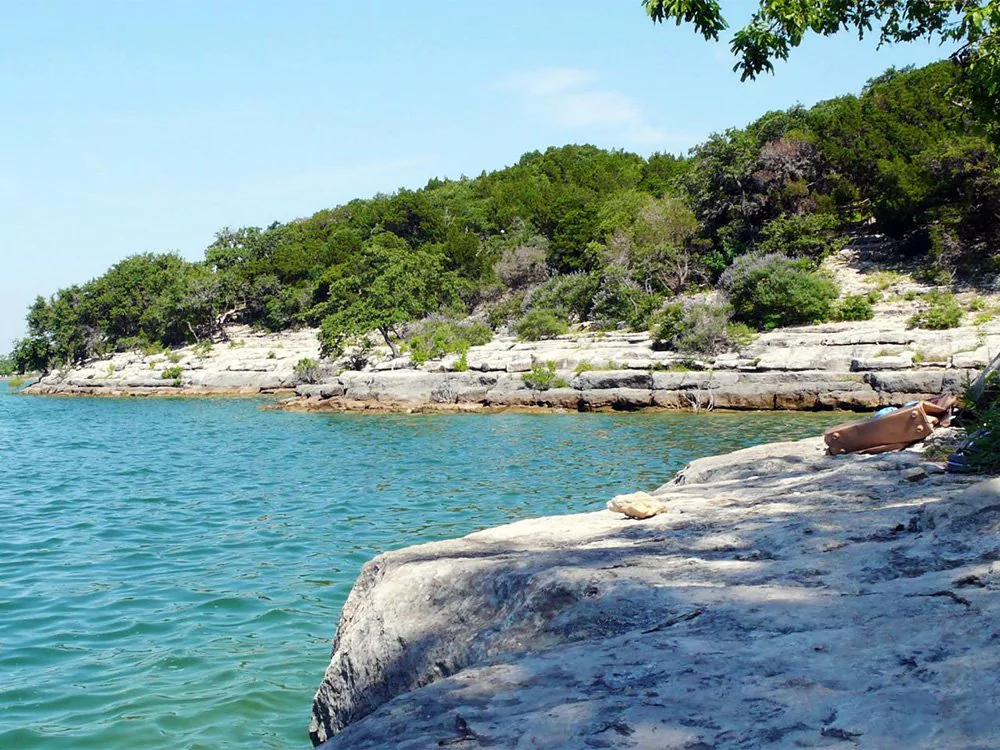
(788, 599)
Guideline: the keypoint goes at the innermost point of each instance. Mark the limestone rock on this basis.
(789, 599)
(637, 505)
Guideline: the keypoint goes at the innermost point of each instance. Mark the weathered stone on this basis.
(619, 399)
(851, 601)
(882, 363)
(601, 379)
(320, 390)
(907, 382)
(677, 381)
(637, 505)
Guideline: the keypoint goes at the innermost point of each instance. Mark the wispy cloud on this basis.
(574, 99)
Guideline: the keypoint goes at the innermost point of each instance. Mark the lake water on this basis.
(172, 571)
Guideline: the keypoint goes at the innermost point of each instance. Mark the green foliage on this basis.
(306, 370)
(982, 417)
(7, 367)
(571, 294)
(853, 307)
(434, 339)
(543, 377)
(391, 284)
(942, 311)
(505, 311)
(541, 323)
(774, 29)
(802, 236)
(172, 373)
(768, 291)
(692, 328)
(591, 234)
(203, 348)
(462, 363)
(583, 366)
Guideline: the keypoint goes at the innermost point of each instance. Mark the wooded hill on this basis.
(579, 233)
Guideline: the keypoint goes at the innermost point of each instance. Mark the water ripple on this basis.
(171, 571)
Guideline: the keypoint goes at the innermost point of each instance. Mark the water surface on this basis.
(172, 570)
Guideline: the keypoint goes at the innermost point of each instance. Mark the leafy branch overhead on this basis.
(778, 26)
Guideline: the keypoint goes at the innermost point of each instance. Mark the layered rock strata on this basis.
(785, 599)
(844, 365)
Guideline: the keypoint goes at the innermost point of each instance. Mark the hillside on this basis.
(579, 234)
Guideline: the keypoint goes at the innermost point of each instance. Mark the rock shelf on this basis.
(785, 599)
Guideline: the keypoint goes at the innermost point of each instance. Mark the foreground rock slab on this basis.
(784, 599)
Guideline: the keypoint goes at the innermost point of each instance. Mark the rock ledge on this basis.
(785, 599)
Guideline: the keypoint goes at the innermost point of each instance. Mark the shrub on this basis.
(462, 364)
(541, 324)
(802, 236)
(306, 370)
(523, 265)
(436, 338)
(854, 307)
(770, 291)
(583, 366)
(740, 334)
(942, 311)
(543, 376)
(172, 373)
(501, 313)
(983, 414)
(572, 294)
(203, 347)
(693, 328)
(174, 357)
(619, 301)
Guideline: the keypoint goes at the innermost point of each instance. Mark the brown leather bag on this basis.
(893, 431)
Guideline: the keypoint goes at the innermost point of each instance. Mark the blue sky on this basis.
(129, 127)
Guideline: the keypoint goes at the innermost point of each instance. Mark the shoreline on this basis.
(846, 596)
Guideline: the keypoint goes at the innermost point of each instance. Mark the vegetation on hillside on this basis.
(579, 233)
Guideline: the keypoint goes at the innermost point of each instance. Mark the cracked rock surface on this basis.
(785, 599)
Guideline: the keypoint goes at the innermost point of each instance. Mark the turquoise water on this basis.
(171, 571)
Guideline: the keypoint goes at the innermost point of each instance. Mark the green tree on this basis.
(390, 284)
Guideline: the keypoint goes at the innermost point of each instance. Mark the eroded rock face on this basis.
(785, 598)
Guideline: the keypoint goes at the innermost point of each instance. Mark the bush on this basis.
(436, 338)
(203, 347)
(854, 307)
(983, 414)
(172, 373)
(306, 370)
(542, 377)
(572, 294)
(619, 301)
(770, 291)
(693, 328)
(802, 235)
(523, 265)
(501, 313)
(942, 311)
(541, 324)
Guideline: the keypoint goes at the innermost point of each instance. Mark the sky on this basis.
(137, 126)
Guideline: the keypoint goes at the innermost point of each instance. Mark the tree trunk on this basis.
(389, 342)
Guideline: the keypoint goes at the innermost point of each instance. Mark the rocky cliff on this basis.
(785, 599)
